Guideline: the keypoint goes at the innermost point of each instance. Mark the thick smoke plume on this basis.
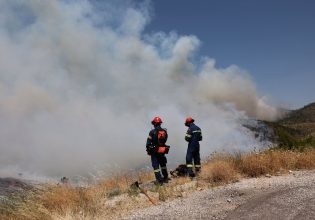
(80, 83)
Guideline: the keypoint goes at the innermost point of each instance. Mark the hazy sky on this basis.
(273, 40)
(80, 83)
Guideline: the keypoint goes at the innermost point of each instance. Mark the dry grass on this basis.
(22, 205)
(219, 171)
(68, 202)
(61, 199)
(275, 161)
(112, 198)
(89, 202)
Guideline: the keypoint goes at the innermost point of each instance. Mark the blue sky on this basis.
(272, 39)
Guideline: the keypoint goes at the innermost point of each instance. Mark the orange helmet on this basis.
(156, 120)
(189, 120)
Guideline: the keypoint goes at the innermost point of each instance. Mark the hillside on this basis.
(303, 115)
(296, 129)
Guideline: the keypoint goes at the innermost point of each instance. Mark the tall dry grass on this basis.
(113, 198)
(224, 168)
(274, 161)
(59, 201)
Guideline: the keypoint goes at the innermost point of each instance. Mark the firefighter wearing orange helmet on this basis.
(193, 136)
(156, 147)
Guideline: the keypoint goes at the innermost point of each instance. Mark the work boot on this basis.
(166, 179)
(192, 175)
(190, 172)
(158, 176)
(164, 172)
(158, 182)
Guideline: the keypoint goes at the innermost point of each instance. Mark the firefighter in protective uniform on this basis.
(157, 149)
(193, 136)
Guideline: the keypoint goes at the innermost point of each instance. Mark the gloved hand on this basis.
(150, 150)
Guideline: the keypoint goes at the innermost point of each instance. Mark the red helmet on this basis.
(156, 120)
(189, 120)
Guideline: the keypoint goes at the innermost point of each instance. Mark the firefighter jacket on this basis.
(193, 135)
(152, 140)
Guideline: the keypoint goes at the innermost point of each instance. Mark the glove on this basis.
(150, 150)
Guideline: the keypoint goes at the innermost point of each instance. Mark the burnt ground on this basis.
(11, 185)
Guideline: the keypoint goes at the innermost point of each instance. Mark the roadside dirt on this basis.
(278, 197)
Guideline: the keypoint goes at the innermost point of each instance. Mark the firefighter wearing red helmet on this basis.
(156, 147)
(193, 136)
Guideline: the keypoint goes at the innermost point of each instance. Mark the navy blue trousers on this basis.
(193, 156)
(159, 162)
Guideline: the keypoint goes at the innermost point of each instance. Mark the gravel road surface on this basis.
(278, 197)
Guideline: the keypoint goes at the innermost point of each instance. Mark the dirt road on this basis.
(278, 197)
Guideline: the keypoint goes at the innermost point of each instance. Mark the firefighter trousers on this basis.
(193, 157)
(159, 162)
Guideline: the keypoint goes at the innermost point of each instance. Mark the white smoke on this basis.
(80, 83)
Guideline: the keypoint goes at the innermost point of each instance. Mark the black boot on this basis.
(159, 179)
(165, 175)
(158, 182)
(190, 172)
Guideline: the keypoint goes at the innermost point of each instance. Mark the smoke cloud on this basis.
(80, 82)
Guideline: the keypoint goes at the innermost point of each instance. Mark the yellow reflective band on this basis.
(189, 165)
(157, 170)
(197, 131)
(198, 166)
(188, 135)
(149, 137)
(163, 168)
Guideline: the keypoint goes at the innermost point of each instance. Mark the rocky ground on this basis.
(272, 197)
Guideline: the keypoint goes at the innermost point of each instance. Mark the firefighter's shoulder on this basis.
(151, 134)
